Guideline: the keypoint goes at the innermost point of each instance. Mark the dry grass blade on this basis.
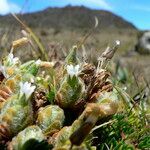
(88, 34)
(125, 97)
(35, 38)
(101, 125)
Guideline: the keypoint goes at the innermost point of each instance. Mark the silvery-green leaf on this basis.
(50, 119)
(72, 57)
(28, 134)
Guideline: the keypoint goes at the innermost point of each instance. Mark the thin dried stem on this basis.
(41, 47)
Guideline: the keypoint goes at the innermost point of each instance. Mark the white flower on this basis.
(117, 42)
(3, 70)
(38, 62)
(73, 70)
(12, 60)
(27, 89)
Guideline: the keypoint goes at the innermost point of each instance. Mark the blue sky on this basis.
(135, 11)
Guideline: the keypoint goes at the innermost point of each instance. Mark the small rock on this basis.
(143, 45)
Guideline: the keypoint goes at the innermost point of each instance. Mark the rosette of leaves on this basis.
(50, 119)
(30, 67)
(72, 89)
(30, 138)
(108, 103)
(16, 112)
(72, 58)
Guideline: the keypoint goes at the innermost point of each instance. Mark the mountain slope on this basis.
(70, 18)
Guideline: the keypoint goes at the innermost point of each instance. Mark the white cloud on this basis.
(7, 7)
(91, 3)
(100, 3)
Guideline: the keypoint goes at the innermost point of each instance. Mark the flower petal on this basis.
(73, 70)
(27, 89)
(12, 60)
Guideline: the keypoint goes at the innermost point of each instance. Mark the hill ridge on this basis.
(70, 17)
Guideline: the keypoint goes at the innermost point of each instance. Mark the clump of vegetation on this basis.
(69, 105)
